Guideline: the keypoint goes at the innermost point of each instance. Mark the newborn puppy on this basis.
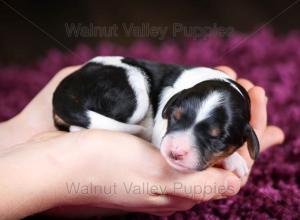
(196, 116)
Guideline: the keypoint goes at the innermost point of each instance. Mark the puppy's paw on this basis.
(236, 163)
(74, 128)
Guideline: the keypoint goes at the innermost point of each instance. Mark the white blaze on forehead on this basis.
(137, 81)
(210, 102)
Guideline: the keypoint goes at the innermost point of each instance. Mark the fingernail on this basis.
(232, 185)
(267, 99)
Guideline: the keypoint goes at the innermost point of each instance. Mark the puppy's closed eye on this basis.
(177, 114)
(214, 132)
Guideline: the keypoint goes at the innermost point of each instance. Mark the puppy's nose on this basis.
(178, 154)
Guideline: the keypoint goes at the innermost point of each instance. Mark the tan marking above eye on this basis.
(214, 132)
(177, 113)
(76, 99)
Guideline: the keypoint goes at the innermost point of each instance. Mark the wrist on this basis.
(32, 179)
(14, 131)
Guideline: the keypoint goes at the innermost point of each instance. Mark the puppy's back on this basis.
(103, 89)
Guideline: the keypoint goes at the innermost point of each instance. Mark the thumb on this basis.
(212, 183)
(272, 136)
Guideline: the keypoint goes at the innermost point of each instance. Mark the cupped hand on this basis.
(104, 158)
(102, 169)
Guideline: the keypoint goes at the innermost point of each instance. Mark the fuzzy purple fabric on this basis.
(273, 190)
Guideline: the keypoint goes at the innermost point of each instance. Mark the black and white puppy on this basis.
(196, 116)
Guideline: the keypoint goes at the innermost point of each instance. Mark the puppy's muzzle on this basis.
(179, 152)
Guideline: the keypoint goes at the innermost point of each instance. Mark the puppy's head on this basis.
(207, 123)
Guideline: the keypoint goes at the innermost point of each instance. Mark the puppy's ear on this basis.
(252, 142)
(242, 90)
(168, 106)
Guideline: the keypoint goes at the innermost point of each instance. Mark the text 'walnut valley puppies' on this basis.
(196, 116)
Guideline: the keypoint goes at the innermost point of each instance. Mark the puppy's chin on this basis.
(180, 167)
(178, 150)
(186, 169)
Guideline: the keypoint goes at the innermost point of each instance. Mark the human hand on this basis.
(37, 118)
(131, 171)
(268, 136)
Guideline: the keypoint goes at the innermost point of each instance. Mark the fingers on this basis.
(258, 99)
(258, 110)
(258, 116)
(228, 71)
(272, 136)
(245, 83)
(66, 71)
(170, 204)
(211, 183)
(59, 77)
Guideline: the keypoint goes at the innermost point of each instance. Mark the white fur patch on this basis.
(137, 81)
(147, 123)
(99, 121)
(159, 130)
(191, 77)
(210, 102)
(74, 128)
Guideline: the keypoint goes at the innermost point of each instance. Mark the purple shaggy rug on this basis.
(273, 190)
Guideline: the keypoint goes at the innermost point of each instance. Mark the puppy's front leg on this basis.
(236, 163)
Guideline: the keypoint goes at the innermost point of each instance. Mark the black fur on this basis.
(159, 75)
(100, 88)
